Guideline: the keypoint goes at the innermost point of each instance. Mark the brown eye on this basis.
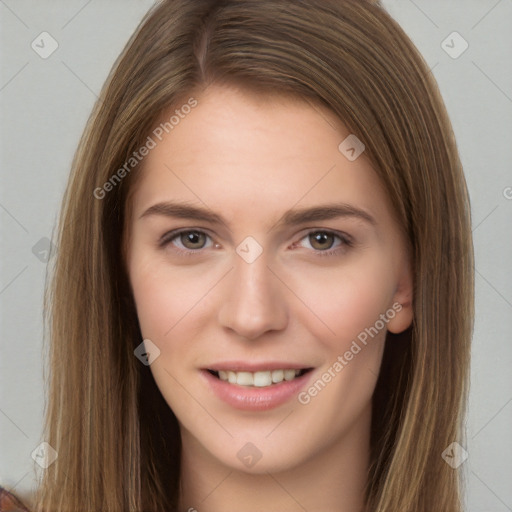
(192, 239)
(325, 243)
(321, 240)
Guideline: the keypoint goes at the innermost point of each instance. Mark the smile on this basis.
(258, 390)
(258, 379)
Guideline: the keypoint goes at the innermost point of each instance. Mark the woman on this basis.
(250, 371)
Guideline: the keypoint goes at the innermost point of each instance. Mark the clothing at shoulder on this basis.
(10, 503)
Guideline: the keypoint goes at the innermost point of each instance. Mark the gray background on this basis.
(45, 104)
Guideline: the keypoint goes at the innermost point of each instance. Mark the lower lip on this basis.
(255, 398)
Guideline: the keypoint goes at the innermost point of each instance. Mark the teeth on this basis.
(262, 379)
(290, 374)
(258, 379)
(244, 378)
(277, 375)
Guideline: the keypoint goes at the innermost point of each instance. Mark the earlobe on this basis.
(403, 317)
(402, 303)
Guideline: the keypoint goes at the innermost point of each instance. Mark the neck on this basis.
(331, 480)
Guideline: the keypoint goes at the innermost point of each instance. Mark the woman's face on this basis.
(287, 258)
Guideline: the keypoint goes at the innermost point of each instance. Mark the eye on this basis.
(191, 240)
(188, 242)
(322, 242)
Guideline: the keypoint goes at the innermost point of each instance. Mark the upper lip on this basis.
(241, 366)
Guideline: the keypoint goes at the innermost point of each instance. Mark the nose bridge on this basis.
(254, 302)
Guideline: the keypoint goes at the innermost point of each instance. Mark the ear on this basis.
(402, 302)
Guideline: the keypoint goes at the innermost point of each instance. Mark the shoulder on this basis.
(10, 503)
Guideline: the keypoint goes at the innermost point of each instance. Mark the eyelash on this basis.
(167, 238)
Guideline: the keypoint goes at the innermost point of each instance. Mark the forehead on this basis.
(246, 153)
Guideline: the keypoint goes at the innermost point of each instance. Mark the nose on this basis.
(253, 302)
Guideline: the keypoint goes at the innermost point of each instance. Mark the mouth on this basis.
(259, 379)
(256, 385)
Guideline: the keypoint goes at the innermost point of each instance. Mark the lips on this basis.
(256, 386)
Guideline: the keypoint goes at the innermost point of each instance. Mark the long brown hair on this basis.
(117, 440)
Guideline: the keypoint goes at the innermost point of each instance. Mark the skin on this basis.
(251, 158)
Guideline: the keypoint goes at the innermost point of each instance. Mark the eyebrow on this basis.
(291, 217)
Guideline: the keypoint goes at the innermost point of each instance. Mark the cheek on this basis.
(164, 296)
(344, 301)
(350, 301)
(154, 305)
(351, 305)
